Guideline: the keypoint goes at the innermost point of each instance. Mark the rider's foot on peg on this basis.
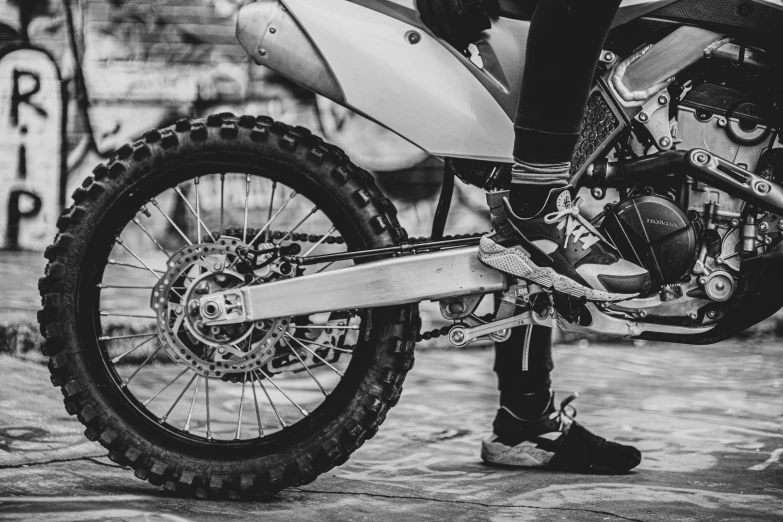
(561, 250)
(555, 441)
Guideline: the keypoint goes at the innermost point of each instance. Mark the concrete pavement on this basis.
(709, 421)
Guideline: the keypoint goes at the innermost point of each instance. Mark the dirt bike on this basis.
(245, 260)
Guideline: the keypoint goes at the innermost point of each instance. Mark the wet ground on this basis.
(709, 421)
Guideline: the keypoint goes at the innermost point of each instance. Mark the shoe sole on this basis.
(515, 261)
(524, 455)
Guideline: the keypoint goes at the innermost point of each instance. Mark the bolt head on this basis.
(413, 37)
(712, 313)
(609, 56)
(734, 222)
(763, 188)
(665, 141)
(272, 30)
(763, 226)
(693, 315)
(702, 280)
(261, 51)
(458, 336)
(701, 158)
(663, 99)
(722, 122)
(720, 286)
(643, 116)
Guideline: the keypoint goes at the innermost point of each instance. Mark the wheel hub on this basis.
(198, 270)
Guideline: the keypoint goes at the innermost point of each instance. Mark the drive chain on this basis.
(437, 332)
(333, 240)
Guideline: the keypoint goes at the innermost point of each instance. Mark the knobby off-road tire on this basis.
(131, 441)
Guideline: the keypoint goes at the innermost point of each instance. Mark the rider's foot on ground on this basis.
(555, 441)
(561, 250)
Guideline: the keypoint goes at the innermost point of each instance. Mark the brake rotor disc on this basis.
(192, 272)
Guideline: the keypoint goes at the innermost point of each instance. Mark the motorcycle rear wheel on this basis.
(76, 340)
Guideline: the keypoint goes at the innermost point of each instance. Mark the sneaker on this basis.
(559, 249)
(556, 441)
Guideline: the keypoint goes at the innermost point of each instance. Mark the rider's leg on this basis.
(528, 429)
(523, 364)
(540, 236)
(564, 45)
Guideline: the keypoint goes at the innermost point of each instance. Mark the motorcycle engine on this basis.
(655, 233)
(695, 234)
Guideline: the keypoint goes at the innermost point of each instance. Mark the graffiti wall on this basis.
(78, 78)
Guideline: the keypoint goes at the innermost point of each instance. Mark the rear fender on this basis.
(414, 85)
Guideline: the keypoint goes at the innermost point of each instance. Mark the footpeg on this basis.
(461, 335)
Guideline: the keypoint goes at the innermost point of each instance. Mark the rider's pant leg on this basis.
(523, 364)
(563, 48)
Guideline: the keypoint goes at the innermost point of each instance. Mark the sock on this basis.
(531, 183)
(527, 406)
(528, 200)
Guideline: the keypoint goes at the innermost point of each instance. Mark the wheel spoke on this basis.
(222, 190)
(271, 205)
(313, 211)
(166, 416)
(129, 336)
(282, 422)
(127, 287)
(209, 428)
(320, 241)
(241, 404)
(255, 401)
(157, 274)
(307, 369)
(321, 345)
(155, 241)
(115, 314)
(171, 221)
(121, 356)
(196, 214)
(301, 410)
(192, 403)
(142, 365)
(338, 372)
(247, 199)
(196, 182)
(172, 381)
(271, 219)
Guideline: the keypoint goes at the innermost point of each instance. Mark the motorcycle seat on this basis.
(517, 9)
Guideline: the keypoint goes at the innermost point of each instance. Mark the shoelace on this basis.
(566, 414)
(576, 226)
